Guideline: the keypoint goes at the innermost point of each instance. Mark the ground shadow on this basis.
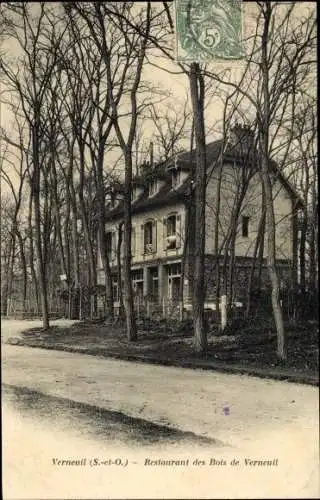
(96, 423)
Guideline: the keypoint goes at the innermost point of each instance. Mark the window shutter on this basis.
(154, 236)
(133, 241)
(164, 222)
(178, 231)
(141, 240)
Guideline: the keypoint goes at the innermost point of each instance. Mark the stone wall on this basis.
(241, 276)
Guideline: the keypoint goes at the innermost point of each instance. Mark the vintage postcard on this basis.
(159, 250)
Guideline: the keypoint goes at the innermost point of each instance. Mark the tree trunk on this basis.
(9, 277)
(121, 306)
(267, 186)
(259, 242)
(85, 223)
(216, 235)
(37, 218)
(24, 270)
(188, 244)
(127, 283)
(302, 251)
(101, 230)
(197, 97)
(31, 255)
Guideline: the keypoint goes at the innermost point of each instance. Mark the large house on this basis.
(161, 201)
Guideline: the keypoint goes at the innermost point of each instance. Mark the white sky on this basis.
(177, 84)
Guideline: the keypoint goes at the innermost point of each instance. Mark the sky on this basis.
(169, 80)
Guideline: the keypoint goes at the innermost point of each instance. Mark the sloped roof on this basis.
(185, 161)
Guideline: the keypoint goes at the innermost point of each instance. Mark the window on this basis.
(153, 188)
(245, 226)
(115, 290)
(174, 270)
(175, 178)
(137, 282)
(172, 232)
(149, 237)
(174, 281)
(110, 245)
(171, 225)
(154, 282)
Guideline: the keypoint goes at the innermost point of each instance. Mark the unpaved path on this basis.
(265, 418)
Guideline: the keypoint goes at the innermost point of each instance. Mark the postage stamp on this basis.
(208, 29)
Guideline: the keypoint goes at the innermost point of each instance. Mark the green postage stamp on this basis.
(208, 29)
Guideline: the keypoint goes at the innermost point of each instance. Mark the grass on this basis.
(249, 345)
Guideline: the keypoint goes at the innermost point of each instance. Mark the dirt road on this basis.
(248, 417)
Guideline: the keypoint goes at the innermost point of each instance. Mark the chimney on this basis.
(241, 136)
(144, 168)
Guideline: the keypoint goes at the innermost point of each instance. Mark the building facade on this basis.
(162, 234)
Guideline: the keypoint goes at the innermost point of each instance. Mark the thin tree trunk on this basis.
(258, 243)
(188, 232)
(24, 270)
(197, 97)
(37, 217)
(121, 306)
(8, 288)
(216, 235)
(127, 228)
(31, 255)
(101, 231)
(85, 224)
(270, 217)
(302, 251)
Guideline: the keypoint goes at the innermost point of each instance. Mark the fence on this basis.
(28, 309)
(296, 306)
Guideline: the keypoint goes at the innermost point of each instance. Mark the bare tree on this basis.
(38, 38)
(280, 55)
(171, 128)
(197, 96)
(129, 69)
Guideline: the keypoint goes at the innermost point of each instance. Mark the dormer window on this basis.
(175, 178)
(153, 187)
(114, 199)
(136, 192)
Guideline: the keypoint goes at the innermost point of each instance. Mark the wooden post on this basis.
(223, 312)
(91, 306)
(148, 308)
(80, 304)
(8, 306)
(69, 305)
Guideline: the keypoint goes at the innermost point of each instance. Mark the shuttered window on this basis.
(149, 231)
(133, 241)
